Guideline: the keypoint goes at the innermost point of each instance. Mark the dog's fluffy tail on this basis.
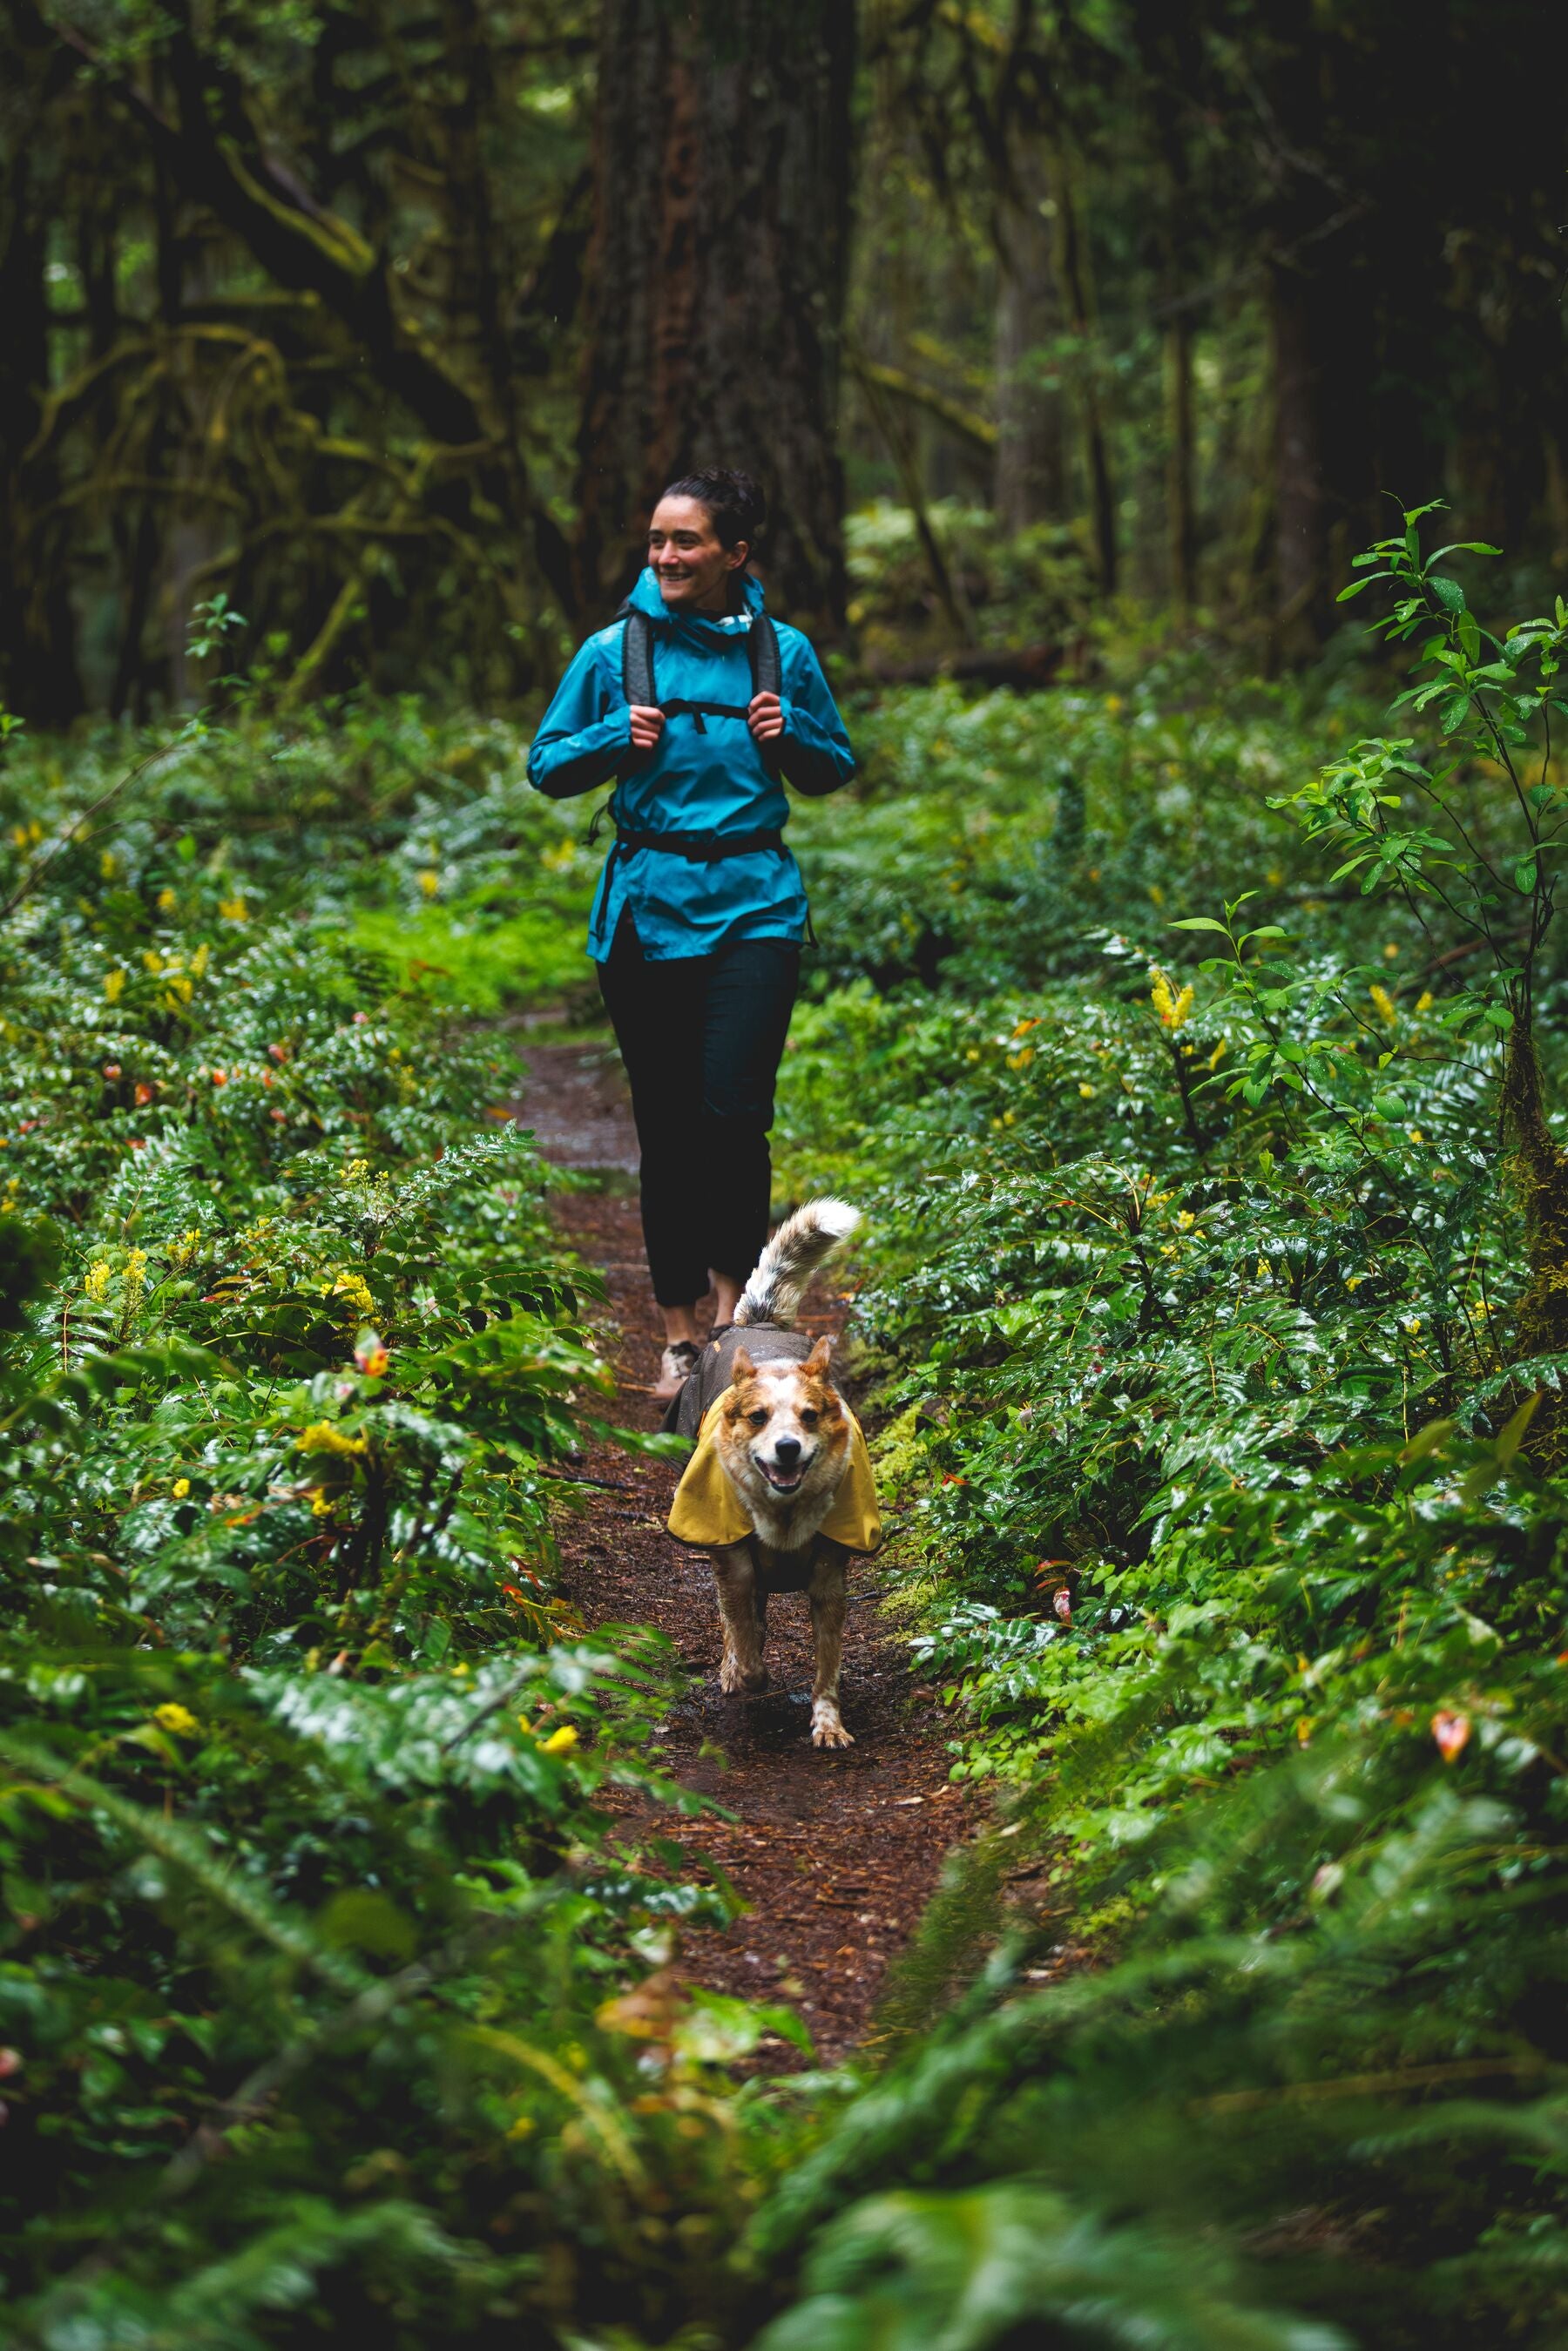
(802, 1243)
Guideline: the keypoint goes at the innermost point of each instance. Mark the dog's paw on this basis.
(827, 1731)
(731, 1678)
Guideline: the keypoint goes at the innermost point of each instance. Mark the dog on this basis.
(779, 1491)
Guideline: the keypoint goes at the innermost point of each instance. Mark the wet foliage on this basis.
(1191, 1044)
(311, 1931)
(1207, 1285)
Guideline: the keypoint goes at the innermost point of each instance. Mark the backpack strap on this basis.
(637, 658)
(762, 644)
(767, 674)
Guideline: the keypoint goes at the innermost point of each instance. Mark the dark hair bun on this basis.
(735, 501)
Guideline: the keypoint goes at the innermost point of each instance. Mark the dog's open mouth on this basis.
(783, 1481)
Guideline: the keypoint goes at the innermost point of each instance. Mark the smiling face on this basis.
(785, 1419)
(694, 568)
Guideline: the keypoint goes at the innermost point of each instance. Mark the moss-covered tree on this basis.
(717, 277)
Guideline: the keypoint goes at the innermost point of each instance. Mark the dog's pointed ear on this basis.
(819, 1358)
(741, 1367)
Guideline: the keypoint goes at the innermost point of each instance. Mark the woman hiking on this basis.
(700, 912)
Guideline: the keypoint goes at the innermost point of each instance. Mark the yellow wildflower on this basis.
(199, 960)
(1426, 1000)
(166, 902)
(151, 960)
(1383, 1005)
(135, 1276)
(179, 1489)
(1415, 1135)
(326, 1437)
(429, 881)
(561, 1741)
(107, 865)
(177, 1718)
(1390, 953)
(321, 1507)
(354, 1288)
(234, 909)
(96, 1282)
(1086, 1090)
(1185, 1220)
(1021, 1059)
(1262, 1274)
(1173, 1008)
(114, 985)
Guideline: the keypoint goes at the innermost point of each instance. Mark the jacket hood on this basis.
(715, 628)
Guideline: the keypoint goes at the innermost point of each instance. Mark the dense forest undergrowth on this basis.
(1212, 1297)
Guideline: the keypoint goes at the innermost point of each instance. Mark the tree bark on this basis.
(37, 629)
(716, 278)
(1096, 456)
(1029, 469)
(1301, 535)
(1182, 514)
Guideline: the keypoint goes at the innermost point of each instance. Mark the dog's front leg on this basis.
(735, 1580)
(830, 1602)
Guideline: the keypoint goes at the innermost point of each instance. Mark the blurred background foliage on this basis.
(385, 320)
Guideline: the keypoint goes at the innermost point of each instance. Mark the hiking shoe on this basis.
(676, 1364)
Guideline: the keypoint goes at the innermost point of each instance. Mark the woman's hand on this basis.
(766, 717)
(647, 726)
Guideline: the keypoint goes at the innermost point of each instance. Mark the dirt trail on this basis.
(835, 1852)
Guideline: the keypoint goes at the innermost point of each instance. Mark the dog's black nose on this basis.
(786, 1452)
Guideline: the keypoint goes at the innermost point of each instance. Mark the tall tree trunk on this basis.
(1301, 530)
(38, 626)
(718, 276)
(1075, 270)
(1328, 253)
(1030, 473)
(1182, 515)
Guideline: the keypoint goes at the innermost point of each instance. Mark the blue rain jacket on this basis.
(693, 781)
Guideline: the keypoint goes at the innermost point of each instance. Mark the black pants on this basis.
(701, 1038)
